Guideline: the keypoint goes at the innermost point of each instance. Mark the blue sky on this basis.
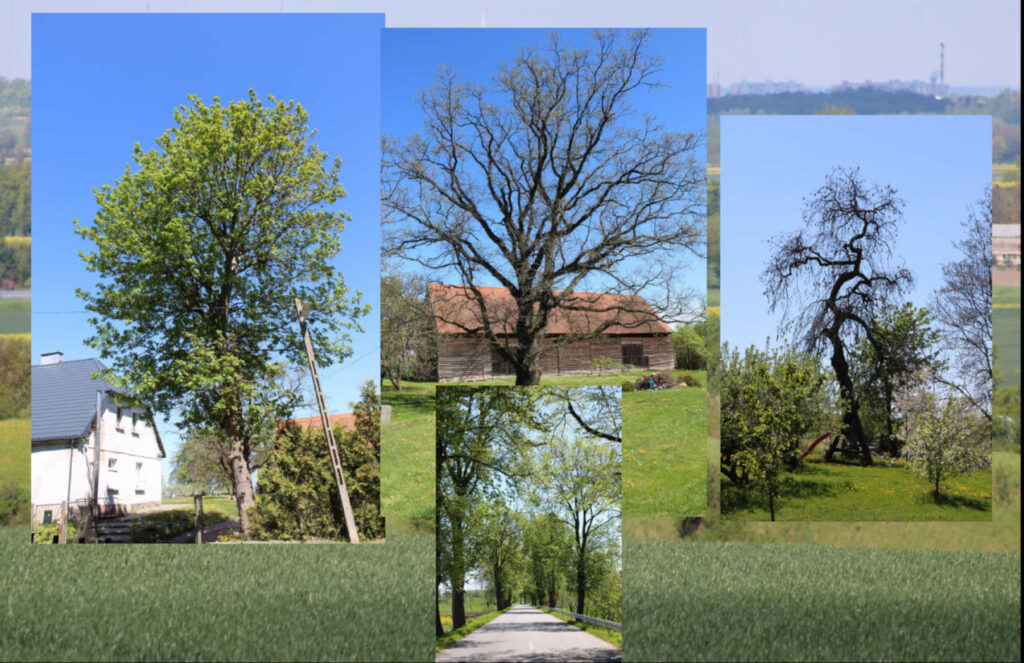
(810, 41)
(101, 83)
(411, 59)
(938, 164)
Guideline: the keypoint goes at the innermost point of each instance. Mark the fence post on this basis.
(198, 508)
(62, 537)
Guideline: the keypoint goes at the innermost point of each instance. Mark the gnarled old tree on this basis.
(830, 278)
(542, 182)
(200, 251)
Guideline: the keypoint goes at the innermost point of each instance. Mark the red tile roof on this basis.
(346, 421)
(456, 311)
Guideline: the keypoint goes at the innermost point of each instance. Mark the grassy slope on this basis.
(886, 491)
(15, 316)
(789, 602)
(313, 602)
(668, 425)
(15, 458)
(1001, 534)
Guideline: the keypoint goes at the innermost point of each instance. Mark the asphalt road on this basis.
(528, 634)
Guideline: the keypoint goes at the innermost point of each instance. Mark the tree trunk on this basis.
(499, 595)
(241, 484)
(851, 429)
(458, 576)
(581, 585)
(394, 376)
(771, 500)
(458, 608)
(527, 376)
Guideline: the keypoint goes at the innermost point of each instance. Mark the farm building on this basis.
(630, 333)
(66, 442)
(1006, 245)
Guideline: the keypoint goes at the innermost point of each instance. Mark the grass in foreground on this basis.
(804, 603)
(224, 503)
(663, 438)
(608, 635)
(449, 639)
(884, 491)
(357, 603)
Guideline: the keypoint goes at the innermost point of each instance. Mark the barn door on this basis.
(633, 354)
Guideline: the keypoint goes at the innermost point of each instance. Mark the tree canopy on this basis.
(200, 249)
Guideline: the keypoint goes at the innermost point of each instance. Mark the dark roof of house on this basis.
(64, 400)
(456, 311)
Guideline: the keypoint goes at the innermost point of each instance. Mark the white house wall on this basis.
(132, 480)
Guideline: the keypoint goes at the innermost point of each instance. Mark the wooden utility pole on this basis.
(339, 476)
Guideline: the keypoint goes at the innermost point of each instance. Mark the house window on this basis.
(633, 354)
(140, 488)
(120, 415)
(112, 464)
(135, 422)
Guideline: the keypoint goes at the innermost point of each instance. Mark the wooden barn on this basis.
(634, 334)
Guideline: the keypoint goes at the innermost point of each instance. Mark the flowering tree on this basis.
(947, 440)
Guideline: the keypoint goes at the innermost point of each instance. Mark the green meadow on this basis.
(15, 452)
(884, 491)
(664, 434)
(734, 601)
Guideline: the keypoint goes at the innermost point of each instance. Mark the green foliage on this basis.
(297, 497)
(47, 534)
(200, 250)
(628, 386)
(947, 440)
(603, 364)
(690, 346)
(15, 376)
(15, 206)
(903, 352)
(200, 464)
(690, 381)
(770, 401)
(15, 258)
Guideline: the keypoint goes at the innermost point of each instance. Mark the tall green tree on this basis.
(499, 548)
(546, 540)
(200, 249)
(482, 433)
(905, 352)
(581, 476)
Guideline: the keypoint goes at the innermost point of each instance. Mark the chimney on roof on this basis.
(49, 358)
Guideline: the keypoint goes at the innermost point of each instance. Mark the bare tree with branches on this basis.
(830, 278)
(963, 306)
(547, 180)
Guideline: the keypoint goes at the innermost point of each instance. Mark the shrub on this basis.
(603, 364)
(690, 381)
(628, 386)
(13, 505)
(948, 440)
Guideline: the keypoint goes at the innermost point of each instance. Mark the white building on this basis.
(65, 401)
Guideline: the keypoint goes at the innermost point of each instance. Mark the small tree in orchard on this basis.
(201, 249)
(770, 402)
(830, 278)
(408, 343)
(543, 179)
(948, 439)
(904, 351)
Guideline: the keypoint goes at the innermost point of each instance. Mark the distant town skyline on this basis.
(813, 43)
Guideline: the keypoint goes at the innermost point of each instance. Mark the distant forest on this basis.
(1005, 110)
(15, 121)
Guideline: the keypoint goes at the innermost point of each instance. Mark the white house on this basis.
(65, 401)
